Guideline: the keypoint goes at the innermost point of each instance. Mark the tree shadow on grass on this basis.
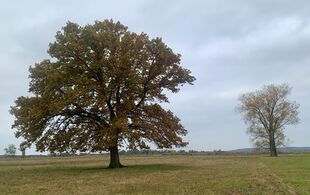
(138, 167)
(77, 169)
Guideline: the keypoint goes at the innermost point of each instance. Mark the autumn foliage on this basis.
(100, 90)
(267, 112)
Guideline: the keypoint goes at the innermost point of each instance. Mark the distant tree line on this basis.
(146, 152)
(10, 151)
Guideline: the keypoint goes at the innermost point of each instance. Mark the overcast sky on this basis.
(231, 47)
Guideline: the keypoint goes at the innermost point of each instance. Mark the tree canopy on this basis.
(267, 112)
(102, 89)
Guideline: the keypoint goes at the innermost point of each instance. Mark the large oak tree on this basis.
(102, 89)
(267, 112)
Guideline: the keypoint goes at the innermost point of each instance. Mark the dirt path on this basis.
(264, 177)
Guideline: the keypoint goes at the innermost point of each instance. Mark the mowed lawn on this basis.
(159, 174)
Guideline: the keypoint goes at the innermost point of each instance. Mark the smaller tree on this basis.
(267, 112)
(10, 150)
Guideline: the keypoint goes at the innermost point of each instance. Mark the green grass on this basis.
(162, 174)
(293, 170)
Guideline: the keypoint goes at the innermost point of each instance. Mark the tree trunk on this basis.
(114, 158)
(273, 149)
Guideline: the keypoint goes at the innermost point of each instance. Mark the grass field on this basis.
(162, 174)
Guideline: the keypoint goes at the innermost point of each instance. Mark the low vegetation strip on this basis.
(157, 174)
(293, 170)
